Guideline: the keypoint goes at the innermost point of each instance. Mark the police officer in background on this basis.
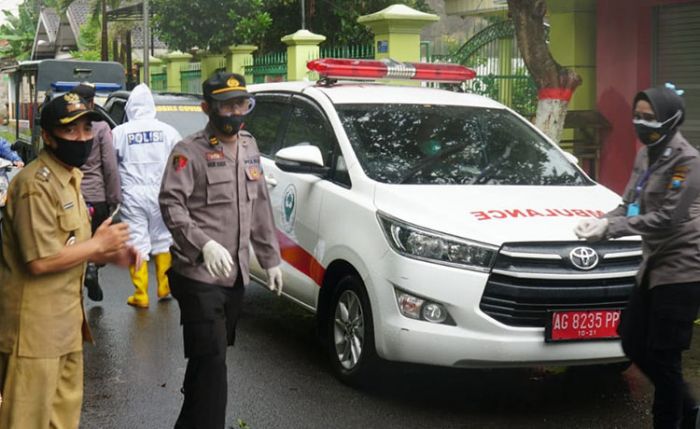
(661, 204)
(46, 241)
(100, 185)
(215, 202)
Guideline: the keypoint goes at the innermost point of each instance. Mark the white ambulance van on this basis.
(435, 227)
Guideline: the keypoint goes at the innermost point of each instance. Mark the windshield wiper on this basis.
(432, 160)
(484, 176)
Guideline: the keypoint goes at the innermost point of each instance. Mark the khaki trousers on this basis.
(41, 393)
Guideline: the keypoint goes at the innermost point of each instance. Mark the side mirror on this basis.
(301, 158)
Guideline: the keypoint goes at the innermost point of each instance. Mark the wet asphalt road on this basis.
(278, 378)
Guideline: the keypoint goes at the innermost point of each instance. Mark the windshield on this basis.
(186, 119)
(430, 144)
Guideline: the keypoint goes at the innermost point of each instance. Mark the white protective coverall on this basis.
(143, 145)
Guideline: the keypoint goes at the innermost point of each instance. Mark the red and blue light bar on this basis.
(339, 68)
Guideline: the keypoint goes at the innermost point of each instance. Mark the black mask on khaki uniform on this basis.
(72, 152)
(228, 125)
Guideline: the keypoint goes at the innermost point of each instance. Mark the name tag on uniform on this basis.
(633, 209)
(252, 168)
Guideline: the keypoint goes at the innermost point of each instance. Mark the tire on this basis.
(350, 333)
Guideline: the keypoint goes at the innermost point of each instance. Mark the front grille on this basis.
(529, 279)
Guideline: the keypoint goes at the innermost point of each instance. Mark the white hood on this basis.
(496, 214)
(140, 104)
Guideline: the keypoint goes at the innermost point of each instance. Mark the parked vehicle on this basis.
(32, 82)
(436, 227)
(182, 111)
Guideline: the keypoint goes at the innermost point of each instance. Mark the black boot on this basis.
(92, 283)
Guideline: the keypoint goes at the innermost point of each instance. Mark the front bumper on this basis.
(477, 340)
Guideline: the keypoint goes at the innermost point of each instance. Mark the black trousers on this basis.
(655, 328)
(208, 314)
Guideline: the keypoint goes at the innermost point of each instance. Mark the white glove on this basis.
(583, 226)
(217, 259)
(592, 229)
(274, 279)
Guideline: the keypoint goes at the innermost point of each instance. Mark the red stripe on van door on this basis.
(300, 259)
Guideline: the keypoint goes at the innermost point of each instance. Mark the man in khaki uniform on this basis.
(215, 203)
(661, 204)
(46, 242)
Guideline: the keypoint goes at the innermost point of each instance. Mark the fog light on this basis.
(433, 312)
(409, 305)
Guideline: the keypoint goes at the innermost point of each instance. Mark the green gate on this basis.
(500, 70)
(270, 67)
(159, 80)
(191, 78)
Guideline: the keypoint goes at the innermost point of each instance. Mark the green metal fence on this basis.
(355, 52)
(500, 70)
(270, 67)
(159, 80)
(191, 78)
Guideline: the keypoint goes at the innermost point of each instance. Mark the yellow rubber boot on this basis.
(140, 280)
(163, 262)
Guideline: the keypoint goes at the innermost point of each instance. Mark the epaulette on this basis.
(245, 133)
(43, 174)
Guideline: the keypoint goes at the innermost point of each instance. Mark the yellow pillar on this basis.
(211, 62)
(573, 45)
(174, 61)
(397, 31)
(302, 46)
(238, 57)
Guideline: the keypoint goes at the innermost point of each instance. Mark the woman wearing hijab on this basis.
(661, 203)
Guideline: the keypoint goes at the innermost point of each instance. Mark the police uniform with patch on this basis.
(214, 191)
(42, 322)
(661, 203)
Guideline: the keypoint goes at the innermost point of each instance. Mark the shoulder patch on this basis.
(43, 174)
(179, 162)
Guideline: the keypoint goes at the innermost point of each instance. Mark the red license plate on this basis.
(582, 325)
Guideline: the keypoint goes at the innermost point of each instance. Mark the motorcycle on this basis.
(5, 168)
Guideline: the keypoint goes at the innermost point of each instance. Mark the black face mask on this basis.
(228, 125)
(72, 152)
(653, 133)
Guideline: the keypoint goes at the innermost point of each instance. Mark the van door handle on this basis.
(271, 181)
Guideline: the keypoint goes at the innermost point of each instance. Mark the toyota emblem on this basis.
(583, 258)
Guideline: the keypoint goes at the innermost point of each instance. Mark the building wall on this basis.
(624, 67)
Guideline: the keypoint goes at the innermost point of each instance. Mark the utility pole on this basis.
(146, 39)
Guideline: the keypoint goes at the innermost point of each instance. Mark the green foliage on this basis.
(335, 19)
(212, 25)
(19, 31)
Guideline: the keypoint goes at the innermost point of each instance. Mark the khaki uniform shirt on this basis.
(42, 316)
(215, 191)
(669, 216)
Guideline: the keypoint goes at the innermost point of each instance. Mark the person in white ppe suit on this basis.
(143, 145)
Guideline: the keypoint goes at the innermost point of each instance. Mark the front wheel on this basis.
(350, 339)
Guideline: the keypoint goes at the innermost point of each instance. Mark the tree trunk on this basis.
(104, 54)
(556, 84)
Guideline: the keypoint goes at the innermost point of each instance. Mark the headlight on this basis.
(433, 246)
